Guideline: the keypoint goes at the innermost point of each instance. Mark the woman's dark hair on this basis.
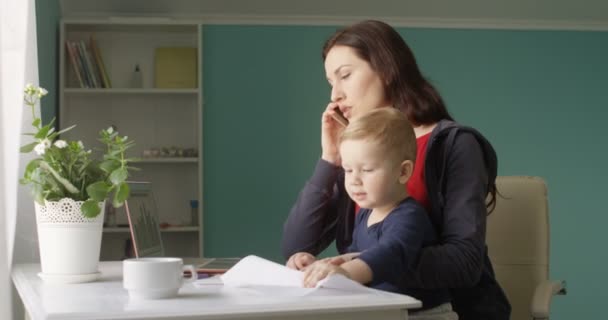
(406, 88)
(387, 53)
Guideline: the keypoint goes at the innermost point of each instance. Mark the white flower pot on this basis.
(69, 242)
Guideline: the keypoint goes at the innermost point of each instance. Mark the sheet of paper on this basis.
(256, 271)
(340, 282)
(253, 270)
(210, 281)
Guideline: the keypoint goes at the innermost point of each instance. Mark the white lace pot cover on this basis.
(69, 242)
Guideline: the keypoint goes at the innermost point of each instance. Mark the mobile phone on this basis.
(338, 116)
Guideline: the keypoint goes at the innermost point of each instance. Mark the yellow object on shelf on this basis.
(176, 67)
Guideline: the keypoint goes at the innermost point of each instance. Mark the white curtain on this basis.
(18, 66)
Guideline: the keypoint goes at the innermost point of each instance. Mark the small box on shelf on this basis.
(176, 67)
(170, 152)
(194, 212)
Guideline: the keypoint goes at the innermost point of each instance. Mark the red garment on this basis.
(416, 187)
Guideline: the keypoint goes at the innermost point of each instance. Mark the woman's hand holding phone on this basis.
(339, 117)
(330, 134)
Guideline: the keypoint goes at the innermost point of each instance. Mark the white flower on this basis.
(39, 149)
(29, 89)
(46, 143)
(60, 144)
(110, 130)
(80, 145)
(42, 92)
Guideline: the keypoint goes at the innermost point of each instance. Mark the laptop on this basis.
(142, 216)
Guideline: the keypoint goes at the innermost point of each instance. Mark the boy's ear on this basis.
(407, 168)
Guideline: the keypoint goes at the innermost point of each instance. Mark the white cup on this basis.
(155, 278)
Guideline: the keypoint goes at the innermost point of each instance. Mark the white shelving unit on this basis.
(152, 117)
(169, 229)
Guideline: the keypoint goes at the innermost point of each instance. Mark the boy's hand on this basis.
(300, 260)
(319, 271)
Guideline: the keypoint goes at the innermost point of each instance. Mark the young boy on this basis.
(378, 151)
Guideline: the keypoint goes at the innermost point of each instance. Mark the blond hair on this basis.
(388, 127)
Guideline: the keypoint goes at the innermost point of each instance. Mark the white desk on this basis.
(106, 299)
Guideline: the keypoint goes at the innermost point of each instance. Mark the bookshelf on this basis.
(154, 118)
(169, 229)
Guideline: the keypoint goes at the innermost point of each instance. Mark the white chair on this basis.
(518, 243)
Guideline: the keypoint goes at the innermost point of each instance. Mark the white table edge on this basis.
(28, 294)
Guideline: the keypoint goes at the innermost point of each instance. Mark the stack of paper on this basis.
(255, 271)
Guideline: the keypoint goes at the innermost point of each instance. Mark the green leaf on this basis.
(90, 208)
(66, 184)
(129, 144)
(98, 191)
(42, 133)
(52, 136)
(114, 154)
(28, 147)
(109, 165)
(118, 176)
(66, 129)
(31, 166)
(121, 195)
(36, 122)
(133, 168)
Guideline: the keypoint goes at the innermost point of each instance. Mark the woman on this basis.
(368, 65)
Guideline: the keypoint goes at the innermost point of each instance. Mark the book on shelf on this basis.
(176, 67)
(74, 61)
(81, 64)
(87, 64)
(101, 68)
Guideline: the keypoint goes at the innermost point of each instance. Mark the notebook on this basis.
(142, 216)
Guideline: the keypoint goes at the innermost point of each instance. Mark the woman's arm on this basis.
(311, 224)
(458, 260)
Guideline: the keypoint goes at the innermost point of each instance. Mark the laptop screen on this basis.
(142, 214)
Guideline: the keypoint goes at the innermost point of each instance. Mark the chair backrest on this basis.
(518, 239)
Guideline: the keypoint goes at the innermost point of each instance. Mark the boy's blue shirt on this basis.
(393, 246)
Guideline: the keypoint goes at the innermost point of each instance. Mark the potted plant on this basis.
(70, 188)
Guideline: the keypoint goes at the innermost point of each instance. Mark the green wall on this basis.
(47, 32)
(263, 91)
(538, 96)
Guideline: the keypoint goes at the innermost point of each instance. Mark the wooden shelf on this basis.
(167, 160)
(192, 91)
(143, 25)
(170, 229)
(180, 229)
